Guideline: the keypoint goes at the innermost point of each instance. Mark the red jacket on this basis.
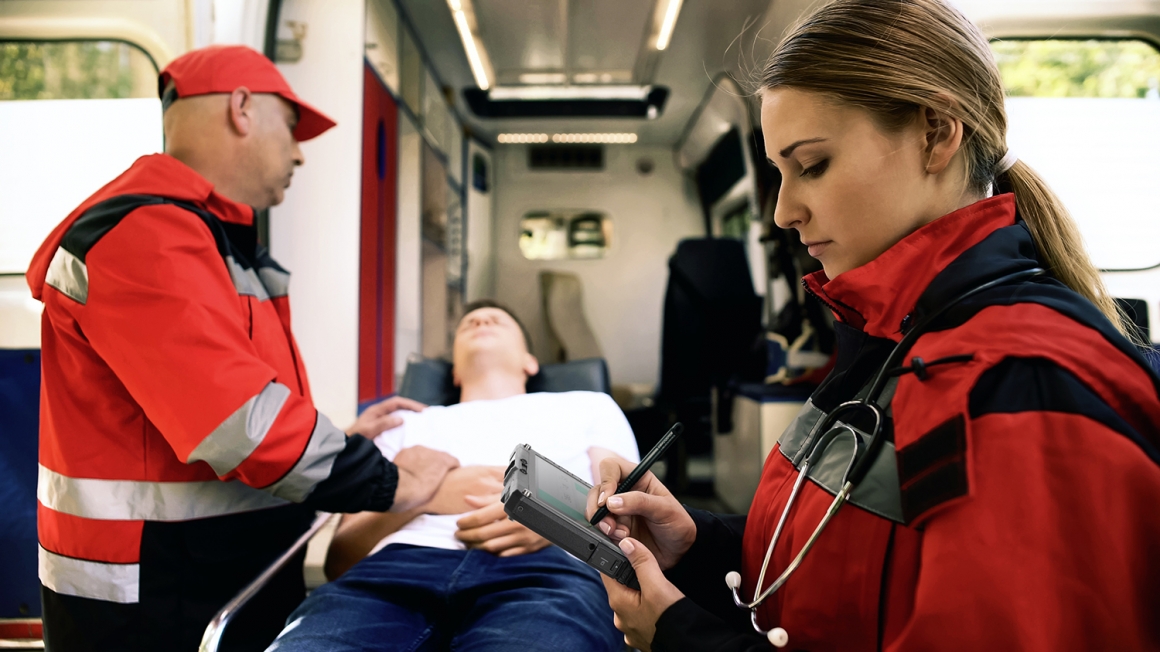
(173, 392)
(1027, 476)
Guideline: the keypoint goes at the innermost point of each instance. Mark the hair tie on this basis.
(1005, 163)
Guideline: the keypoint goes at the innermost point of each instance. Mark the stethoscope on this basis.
(862, 458)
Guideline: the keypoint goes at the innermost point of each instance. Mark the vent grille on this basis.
(566, 157)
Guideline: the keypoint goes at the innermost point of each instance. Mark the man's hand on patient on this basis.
(421, 470)
(380, 416)
(465, 481)
(488, 528)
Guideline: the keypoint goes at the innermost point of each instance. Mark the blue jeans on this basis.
(413, 598)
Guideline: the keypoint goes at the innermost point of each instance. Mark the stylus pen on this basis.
(634, 477)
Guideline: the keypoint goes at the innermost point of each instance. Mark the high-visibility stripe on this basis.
(90, 579)
(246, 280)
(276, 281)
(131, 500)
(68, 274)
(242, 432)
(326, 442)
(115, 542)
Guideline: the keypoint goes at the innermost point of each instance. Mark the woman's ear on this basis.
(942, 134)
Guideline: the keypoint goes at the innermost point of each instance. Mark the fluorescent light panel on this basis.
(469, 44)
(638, 93)
(667, 25)
(543, 78)
(608, 138)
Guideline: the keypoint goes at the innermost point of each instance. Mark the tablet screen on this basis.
(562, 491)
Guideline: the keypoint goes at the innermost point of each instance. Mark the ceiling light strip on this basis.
(605, 138)
(670, 22)
(509, 139)
(469, 44)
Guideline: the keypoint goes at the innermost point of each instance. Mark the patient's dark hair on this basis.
(488, 303)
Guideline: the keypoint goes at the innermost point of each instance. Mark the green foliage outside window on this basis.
(1075, 68)
(74, 70)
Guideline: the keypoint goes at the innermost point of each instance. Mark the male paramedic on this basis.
(180, 450)
(456, 573)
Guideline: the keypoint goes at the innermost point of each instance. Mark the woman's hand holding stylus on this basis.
(648, 513)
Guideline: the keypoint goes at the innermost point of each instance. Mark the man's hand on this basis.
(637, 612)
(488, 528)
(421, 470)
(379, 417)
(462, 482)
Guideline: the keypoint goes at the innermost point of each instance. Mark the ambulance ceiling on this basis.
(606, 42)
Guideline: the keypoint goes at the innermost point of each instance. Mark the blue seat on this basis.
(429, 381)
(19, 427)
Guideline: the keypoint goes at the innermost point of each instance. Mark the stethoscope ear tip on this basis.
(733, 579)
(778, 637)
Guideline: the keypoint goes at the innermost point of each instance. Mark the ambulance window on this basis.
(564, 234)
(75, 115)
(1085, 114)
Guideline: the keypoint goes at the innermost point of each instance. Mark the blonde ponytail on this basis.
(891, 57)
(1059, 243)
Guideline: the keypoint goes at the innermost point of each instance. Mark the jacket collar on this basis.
(165, 176)
(881, 296)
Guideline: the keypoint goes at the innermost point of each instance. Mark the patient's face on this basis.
(490, 336)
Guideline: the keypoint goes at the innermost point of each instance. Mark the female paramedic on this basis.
(980, 470)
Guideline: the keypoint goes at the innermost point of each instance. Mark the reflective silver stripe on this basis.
(326, 442)
(90, 579)
(131, 500)
(246, 281)
(68, 274)
(276, 281)
(242, 432)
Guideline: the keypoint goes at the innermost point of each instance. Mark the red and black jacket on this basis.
(1026, 472)
(180, 450)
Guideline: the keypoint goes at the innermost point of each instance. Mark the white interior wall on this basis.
(315, 232)
(624, 291)
(408, 265)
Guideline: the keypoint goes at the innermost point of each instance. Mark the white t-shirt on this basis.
(560, 426)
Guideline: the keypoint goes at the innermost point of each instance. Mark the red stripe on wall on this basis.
(114, 542)
(378, 241)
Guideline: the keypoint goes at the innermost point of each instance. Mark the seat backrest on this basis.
(562, 302)
(430, 382)
(712, 317)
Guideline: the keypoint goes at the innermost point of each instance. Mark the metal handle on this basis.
(212, 637)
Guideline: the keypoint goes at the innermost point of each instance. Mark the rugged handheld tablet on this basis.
(550, 501)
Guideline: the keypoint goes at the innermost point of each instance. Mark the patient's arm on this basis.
(358, 533)
(488, 528)
(595, 454)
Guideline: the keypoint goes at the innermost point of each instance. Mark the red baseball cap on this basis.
(223, 68)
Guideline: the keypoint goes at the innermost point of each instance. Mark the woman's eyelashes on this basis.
(816, 169)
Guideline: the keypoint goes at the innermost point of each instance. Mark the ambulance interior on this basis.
(596, 165)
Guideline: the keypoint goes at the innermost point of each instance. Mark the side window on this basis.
(1086, 115)
(75, 114)
(563, 234)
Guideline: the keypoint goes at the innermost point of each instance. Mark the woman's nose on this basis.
(789, 213)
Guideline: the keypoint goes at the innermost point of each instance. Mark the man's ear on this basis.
(942, 134)
(531, 365)
(241, 114)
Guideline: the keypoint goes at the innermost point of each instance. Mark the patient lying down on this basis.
(456, 573)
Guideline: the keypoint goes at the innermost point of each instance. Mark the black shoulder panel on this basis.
(91, 226)
(1040, 385)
